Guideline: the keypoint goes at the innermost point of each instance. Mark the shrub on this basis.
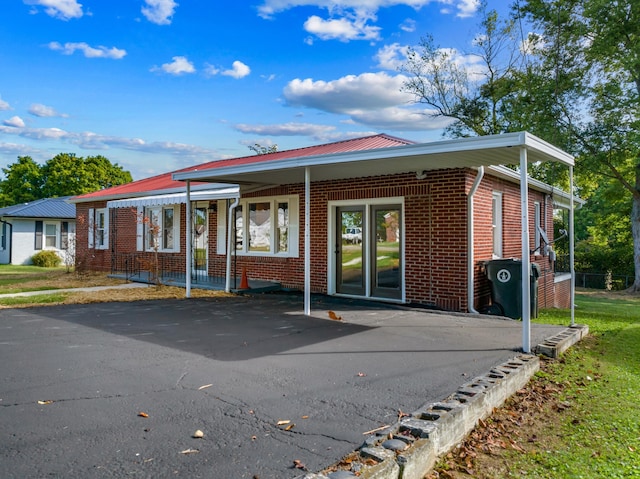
(46, 259)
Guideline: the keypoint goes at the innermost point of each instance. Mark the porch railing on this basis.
(170, 268)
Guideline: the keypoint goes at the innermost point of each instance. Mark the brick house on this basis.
(429, 215)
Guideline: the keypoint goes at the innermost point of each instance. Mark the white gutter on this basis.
(232, 208)
(470, 254)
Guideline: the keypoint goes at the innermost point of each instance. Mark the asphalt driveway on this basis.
(73, 380)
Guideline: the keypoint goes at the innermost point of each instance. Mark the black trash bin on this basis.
(505, 276)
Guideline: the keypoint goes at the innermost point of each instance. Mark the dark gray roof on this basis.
(45, 208)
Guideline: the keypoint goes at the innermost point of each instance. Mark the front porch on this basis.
(137, 268)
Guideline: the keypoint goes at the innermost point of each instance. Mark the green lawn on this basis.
(599, 433)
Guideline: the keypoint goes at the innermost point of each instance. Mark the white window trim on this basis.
(293, 235)
(93, 228)
(176, 229)
(332, 235)
(58, 227)
(496, 227)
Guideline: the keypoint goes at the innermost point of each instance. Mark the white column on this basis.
(188, 242)
(526, 262)
(307, 241)
(572, 296)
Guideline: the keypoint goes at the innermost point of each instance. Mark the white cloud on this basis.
(62, 9)
(91, 140)
(371, 99)
(211, 70)
(285, 129)
(409, 25)
(15, 122)
(343, 29)
(159, 12)
(366, 91)
(37, 109)
(467, 8)
(178, 66)
(400, 119)
(238, 70)
(90, 52)
(4, 106)
(392, 57)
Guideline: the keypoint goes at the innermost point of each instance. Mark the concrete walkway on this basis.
(75, 290)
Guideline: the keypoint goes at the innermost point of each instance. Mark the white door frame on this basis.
(331, 244)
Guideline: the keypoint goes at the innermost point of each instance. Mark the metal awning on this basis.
(175, 198)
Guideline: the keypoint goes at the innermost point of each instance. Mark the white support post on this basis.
(189, 240)
(307, 241)
(526, 260)
(572, 296)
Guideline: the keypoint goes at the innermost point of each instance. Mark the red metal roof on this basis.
(164, 182)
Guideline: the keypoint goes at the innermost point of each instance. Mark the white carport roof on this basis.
(518, 148)
(460, 153)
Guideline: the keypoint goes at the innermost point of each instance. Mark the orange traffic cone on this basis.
(244, 282)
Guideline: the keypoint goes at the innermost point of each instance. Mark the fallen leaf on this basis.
(290, 427)
(361, 375)
(204, 387)
(253, 438)
(198, 434)
(282, 422)
(189, 451)
(299, 465)
(305, 417)
(143, 414)
(334, 316)
(45, 402)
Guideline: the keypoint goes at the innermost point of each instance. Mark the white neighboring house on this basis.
(27, 228)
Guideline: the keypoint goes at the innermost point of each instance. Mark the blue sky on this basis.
(157, 85)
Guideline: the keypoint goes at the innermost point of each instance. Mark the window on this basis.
(496, 224)
(50, 235)
(161, 229)
(263, 226)
(102, 229)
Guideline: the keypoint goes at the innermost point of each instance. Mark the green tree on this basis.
(22, 182)
(63, 175)
(596, 44)
(577, 85)
(259, 149)
(66, 174)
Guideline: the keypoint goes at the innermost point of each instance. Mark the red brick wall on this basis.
(435, 210)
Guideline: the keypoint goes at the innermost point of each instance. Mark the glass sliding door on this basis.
(349, 250)
(368, 250)
(386, 271)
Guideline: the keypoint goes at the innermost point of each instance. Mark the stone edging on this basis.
(410, 448)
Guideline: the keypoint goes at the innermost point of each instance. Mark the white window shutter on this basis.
(140, 228)
(91, 224)
(221, 236)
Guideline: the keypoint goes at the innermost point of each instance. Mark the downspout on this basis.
(232, 208)
(470, 254)
(10, 238)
